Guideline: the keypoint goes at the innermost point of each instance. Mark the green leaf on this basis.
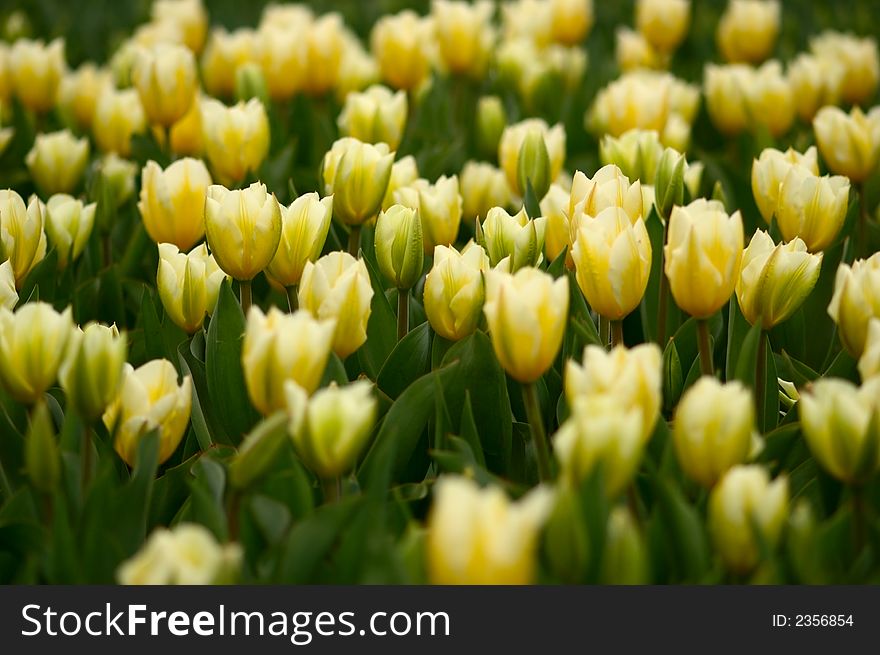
(206, 488)
(469, 432)
(225, 377)
(410, 359)
(204, 419)
(746, 357)
(673, 380)
(737, 330)
(258, 450)
(684, 531)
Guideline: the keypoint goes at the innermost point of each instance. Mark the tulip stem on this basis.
(760, 375)
(616, 333)
(292, 301)
(662, 301)
(539, 435)
(402, 313)
(86, 466)
(706, 367)
(332, 489)
(354, 240)
(244, 289)
(604, 329)
(232, 510)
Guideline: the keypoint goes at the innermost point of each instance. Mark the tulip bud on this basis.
(612, 259)
(304, 228)
(841, 423)
(557, 236)
(746, 510)
(400, 45)
(570, 20)
(703, 256)
(482, 187)
(118, 116)
(42, 458)
(858, 61)
(491, 121)
(856, 300)
(374, 116)
(811, 207)
(771, 101)
(815, 82)
(669, 185)
(478, 536)
(236, 138)
(69, 225)
(23, 241)
(631, 376)
(165, 79)
(608, 188)
(517, 237)
(78, 93)
(243, 228)
(404, 172)
(33, 342)
(189, 284)
(748, 29)
(149, 399)
(172, 202)
(635, 153)
(775, 280)
(664, 23)
(250, 83)
(187, 554)
(337, 286)
(454, 290)
(357, 174)
(625, 558)
(118, 176)
(713, 429)
(92, 370)
(513, 140)
(440, 209)
(224, 53)
(36, 71)
(769, 171)
(8, 294)
(869, 362)
(527, 313)
(464, 35)
(399, 248)
(637, 100)
(188, 15)
(258, 451)
(849, 143)
(726, 89)
(331, 429)
(600, 434)
(279, 347)
(57, 161)
(533, 164)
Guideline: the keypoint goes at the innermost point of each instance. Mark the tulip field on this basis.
(439, 292)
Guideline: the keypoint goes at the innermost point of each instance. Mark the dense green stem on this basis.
(332, 489)
(706, 366)
(354, 240)
(402, 313)
(292, 300)
(616, 333)
(662, 300)
(539, 435)
(86, 458)
(760, 375)
(604, 330)
(244, 287)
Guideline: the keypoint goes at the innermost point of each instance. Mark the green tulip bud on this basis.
(42, 459)
(491, 119)
(257, 451)
(251, 83)
(399, 248)
(669, 182)
(625, 560)
(533, 164)
(92, 371)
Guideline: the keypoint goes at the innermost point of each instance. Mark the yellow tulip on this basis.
(747, 513)
(440, 208)
(713, 429)
(635, 153)
(855, 301)
(849, 143)
(357, 174)
(557, 233)
(236, 139)
(404, 172)
(304, 228)
(859, 60)
(166, 81)
(633, 52)
(570, 20)
(279, 347)
(703, 256)
(815, 82)
(337, 286)
(608, 188)
(36, 71)
(357, 68)
(726, 89)
(478, 536)
(189, 284)
(841, 423)
(638, 99)
(512, 142)
(769, 171)
(374, 116)
(811, 207)
(68, 223)
(243, 228)
(119, 175)
(57, 161)
(78, 94)
(399, 43)
(600, 433)
(516, 237)
(748, 29)
(527, 313)
(869, 362)
(149, 399)
(224, 53)
(331, 429)
(664, 23)
(612, 260)
(189, 16)
(464, 34)
(8, 293)
(118, 116)
(775, 280)
(172, 202)
(280, 52)
(33, 343)
(92, 371)
(483, 186)
(454, 291)
(632, 376)
(399, 249)
(771, 100)
(528, 20)
(23, 241)
(325, 47)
